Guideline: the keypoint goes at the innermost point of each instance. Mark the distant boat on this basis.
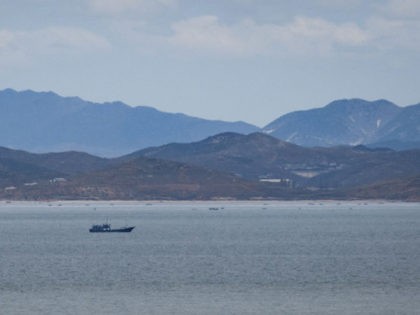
(216, 208)
(100, 228)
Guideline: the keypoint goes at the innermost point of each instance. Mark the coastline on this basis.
(150, 203)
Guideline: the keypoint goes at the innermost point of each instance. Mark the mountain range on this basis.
(227, 165)
(46, 122)
(258, 156)
(76, 175)
(347, 149)
(351, 122)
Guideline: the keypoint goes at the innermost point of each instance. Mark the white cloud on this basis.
(6, 37)
(339, 3)
(303, 34)
(68, 38)
(114, 7)
(9, 54)
(321, 32)
(206, 33)
(20, 46)
(402, 8)
(391, 34)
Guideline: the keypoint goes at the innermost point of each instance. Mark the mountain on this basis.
(252, 157)
(13, 173)
(67, 163)
(342, 122)
(143, 179)
(360, 166)
(78, 175)
(399, 189)
(228, 165)
(259, 156)
(47, 122)
(21, 168)
(402, 132)
(351, 122)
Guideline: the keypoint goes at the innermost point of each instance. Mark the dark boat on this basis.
(99, 228)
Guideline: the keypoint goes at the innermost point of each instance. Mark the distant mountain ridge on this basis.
(227, 165)
(351, 122)
(258, 156)
(47, 122)
(77, 176)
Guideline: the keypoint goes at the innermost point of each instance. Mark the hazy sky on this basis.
(250, 60)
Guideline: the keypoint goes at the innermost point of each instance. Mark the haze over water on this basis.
(182, 258)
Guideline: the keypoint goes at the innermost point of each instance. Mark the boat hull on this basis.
(121, 230)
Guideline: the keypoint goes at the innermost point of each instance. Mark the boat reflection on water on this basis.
(106, 227)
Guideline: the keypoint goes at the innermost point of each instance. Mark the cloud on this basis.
(75, 39)
(115, 7)
(208, 34)
(339, 3)
(321, 32)
(402, 8)
(394, 34)
(20, 46)
(9, 54)
(6, 37)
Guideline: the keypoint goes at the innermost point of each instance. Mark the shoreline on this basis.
(87, 203)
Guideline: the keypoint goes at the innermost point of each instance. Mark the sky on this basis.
(249, 60)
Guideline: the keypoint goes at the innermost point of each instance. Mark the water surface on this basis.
(182, 258)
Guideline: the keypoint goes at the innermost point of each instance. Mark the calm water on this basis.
(182, 258)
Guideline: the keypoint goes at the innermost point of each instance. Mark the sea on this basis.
(218, 257)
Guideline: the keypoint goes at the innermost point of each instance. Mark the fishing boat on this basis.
(106, 227)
